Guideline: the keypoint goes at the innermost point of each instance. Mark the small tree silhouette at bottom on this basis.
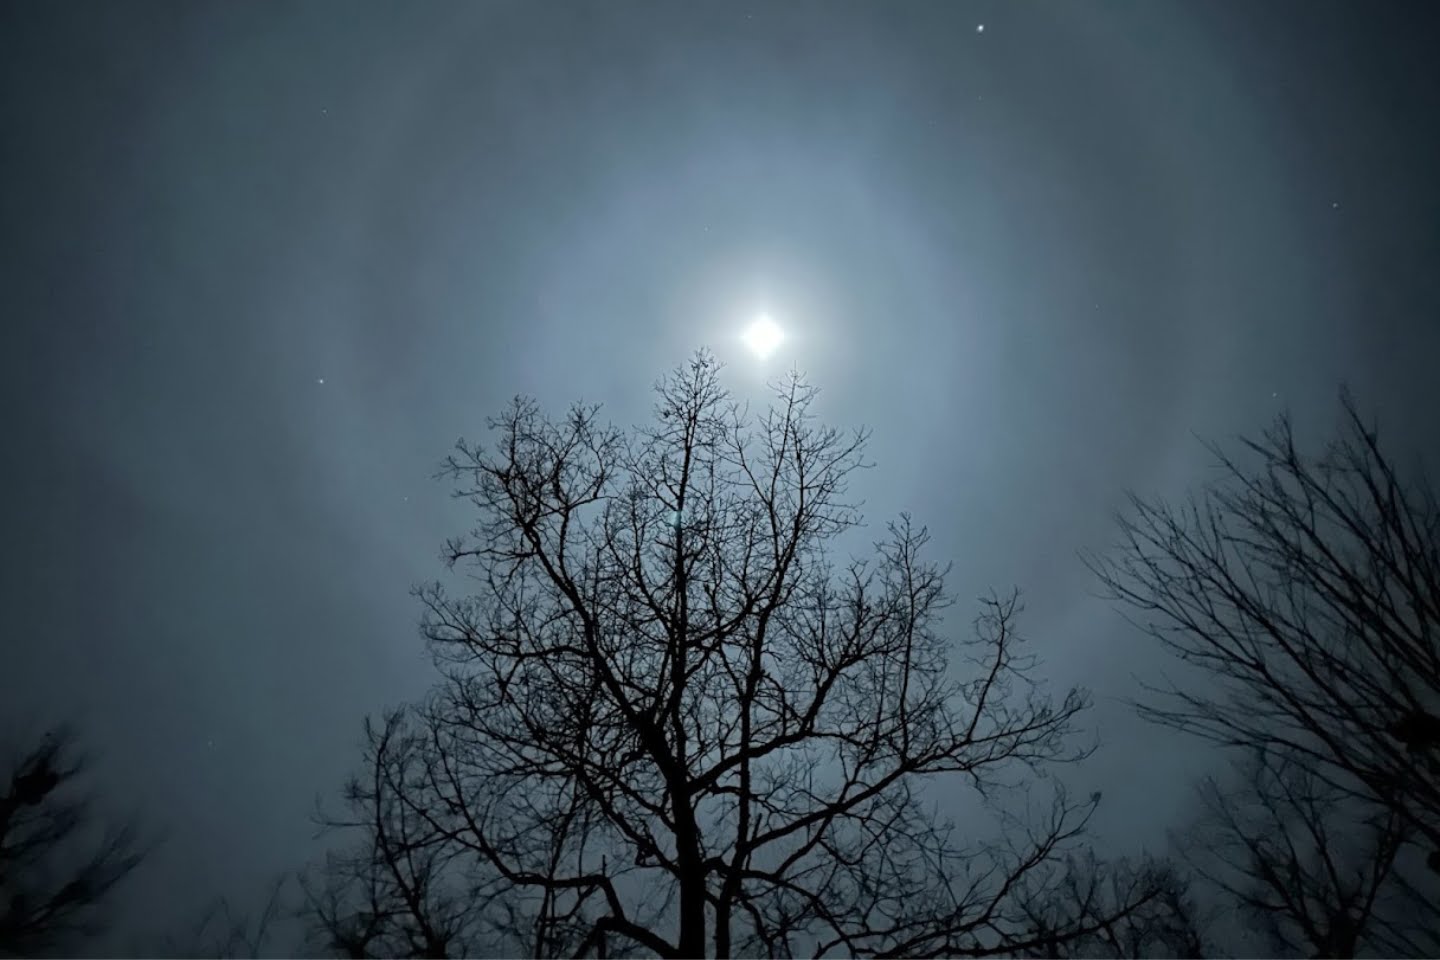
(1313, 870)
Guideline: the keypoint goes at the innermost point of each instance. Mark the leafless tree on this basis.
(404, 889)
(1317, 872)
(1088, 892)
(58, 863)
(221, 932)
(1303, 594)
(668, 725)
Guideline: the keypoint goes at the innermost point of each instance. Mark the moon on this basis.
(763, 336)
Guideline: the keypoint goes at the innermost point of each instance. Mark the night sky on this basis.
(261, 264)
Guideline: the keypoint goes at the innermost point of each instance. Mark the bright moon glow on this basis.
(763, 336)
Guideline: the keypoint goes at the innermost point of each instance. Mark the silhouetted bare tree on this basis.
(405, 889)
(1303, 593)
(221, 932)
(57, 862)
(1316, 871)
(668, 725)
(1088, 892)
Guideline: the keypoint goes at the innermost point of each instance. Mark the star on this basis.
(320, 380)
(1335, 205)
(980, 28)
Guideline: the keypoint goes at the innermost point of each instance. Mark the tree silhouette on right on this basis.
(1301, 592)
(1314, 873)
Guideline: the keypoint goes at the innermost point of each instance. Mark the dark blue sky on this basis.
(1036, 260)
